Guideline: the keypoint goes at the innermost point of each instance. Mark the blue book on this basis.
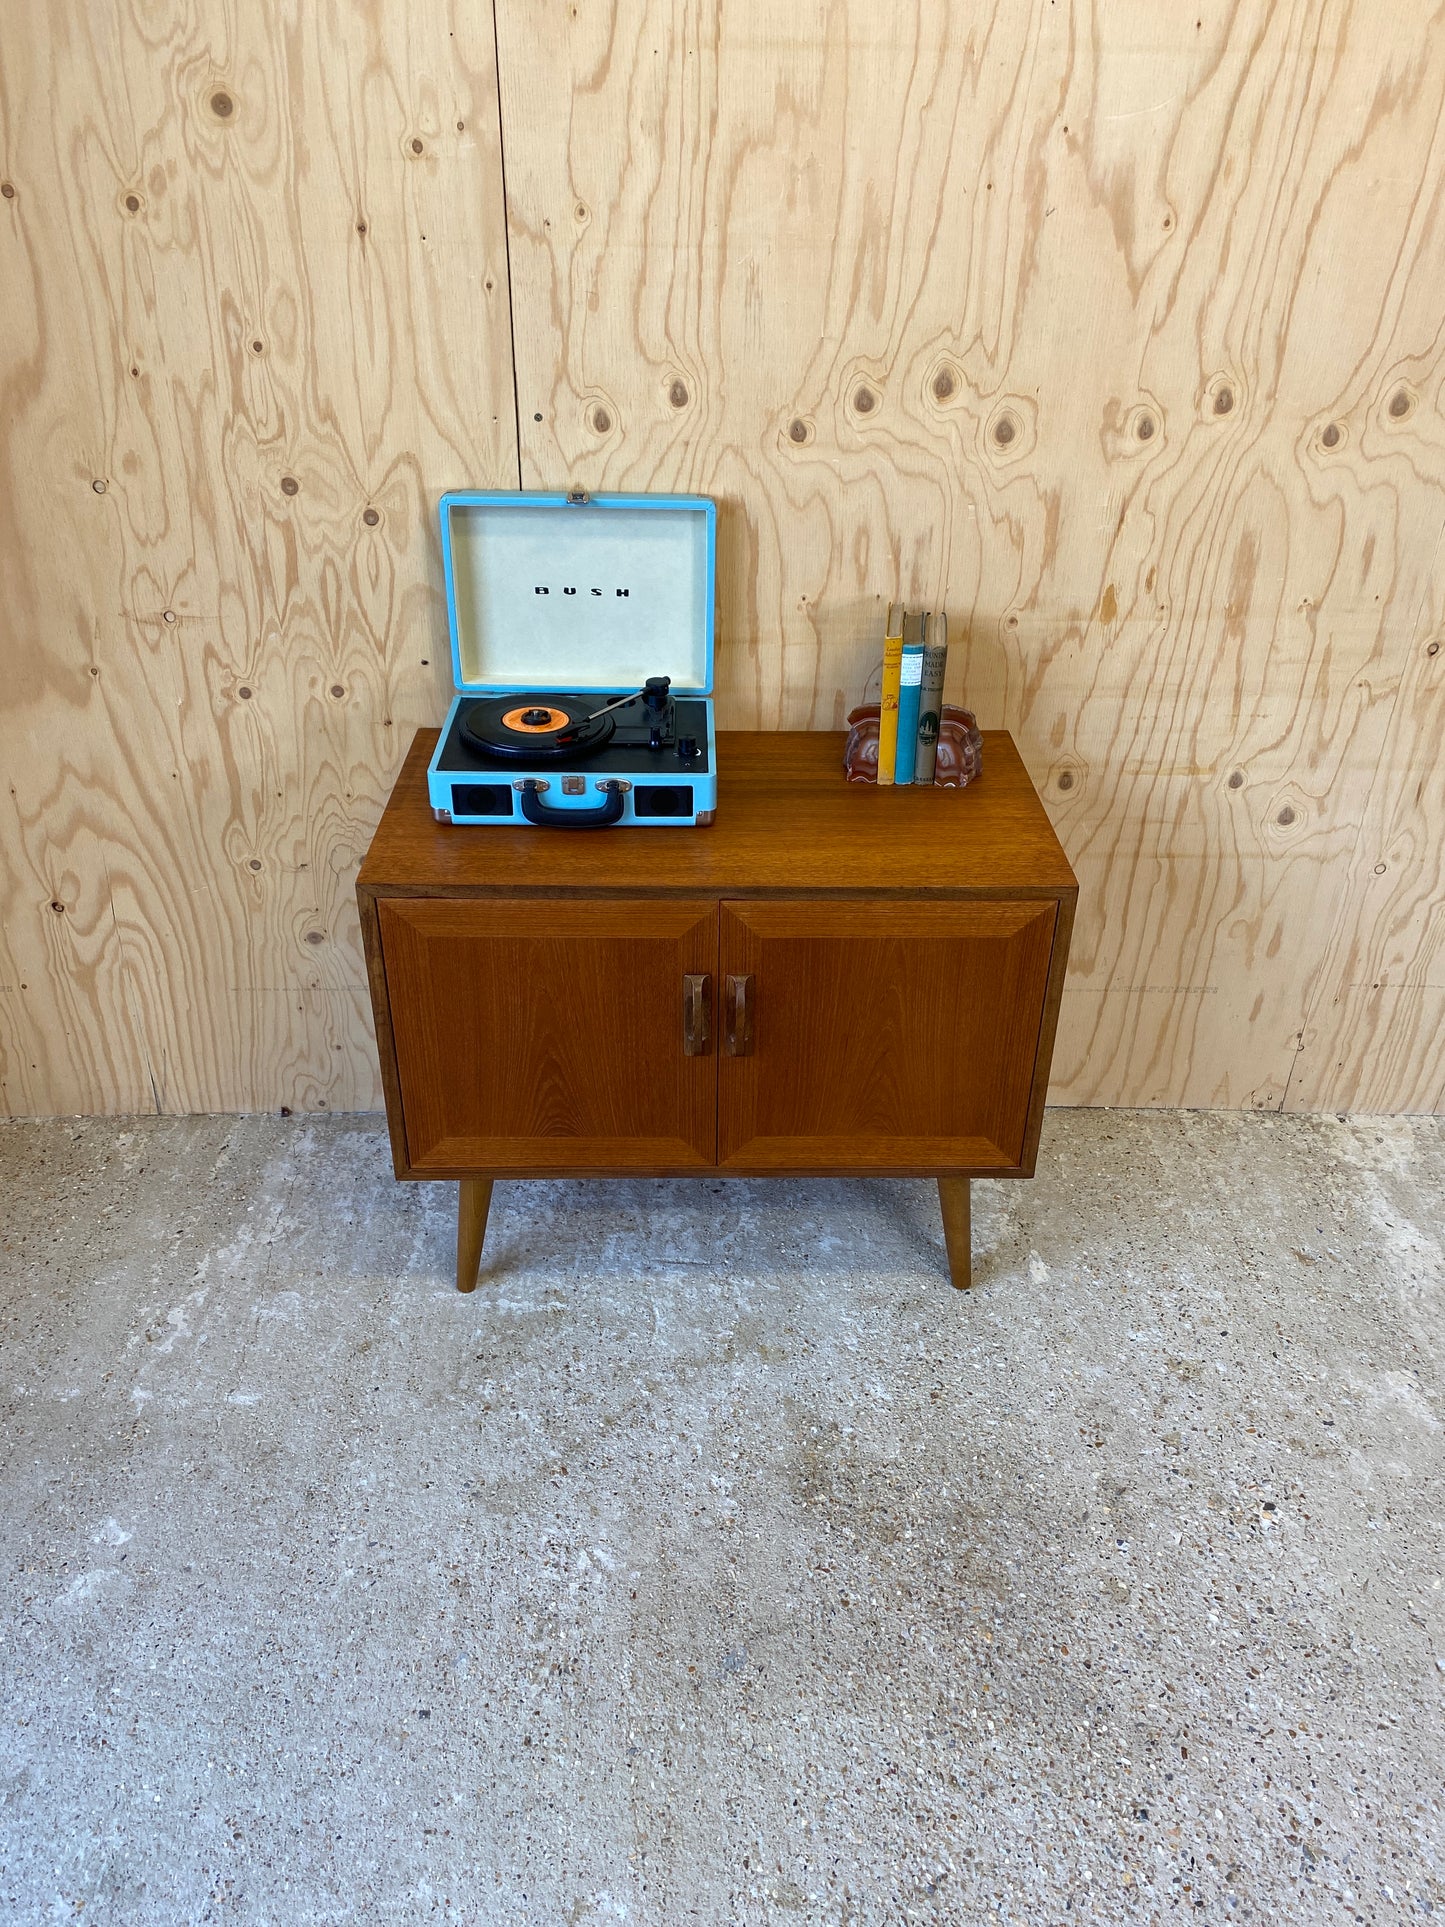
(910, 685)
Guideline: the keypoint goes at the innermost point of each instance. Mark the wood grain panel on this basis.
(546, 1038)
(788, 823)
(1373, 1037)
(887, 1036)
(253, 318)
(1118, 331)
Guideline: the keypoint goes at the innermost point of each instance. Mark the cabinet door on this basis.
(548, 1037)
(882, 1036)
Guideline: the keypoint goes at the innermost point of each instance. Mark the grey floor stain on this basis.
(716, 1562)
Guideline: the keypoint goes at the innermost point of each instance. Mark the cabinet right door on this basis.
(877, 1036)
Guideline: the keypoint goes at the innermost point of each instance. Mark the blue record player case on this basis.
(586, 599)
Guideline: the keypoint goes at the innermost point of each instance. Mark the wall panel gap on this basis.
(507, 243)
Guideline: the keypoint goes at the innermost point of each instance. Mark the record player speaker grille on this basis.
(481, 799)
(662, 799)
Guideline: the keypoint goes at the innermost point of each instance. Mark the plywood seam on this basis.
(507, 244)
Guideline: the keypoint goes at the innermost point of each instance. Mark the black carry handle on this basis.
(536, 811)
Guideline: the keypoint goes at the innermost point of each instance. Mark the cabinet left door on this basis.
(547, 1037)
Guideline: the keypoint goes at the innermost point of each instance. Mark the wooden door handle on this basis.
(738, 1036)
(696, 1014)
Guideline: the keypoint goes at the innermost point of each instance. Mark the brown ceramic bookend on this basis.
(960, 747)
(860, 758)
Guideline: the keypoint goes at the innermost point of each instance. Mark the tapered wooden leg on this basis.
(474, 1200)
(955, 1202)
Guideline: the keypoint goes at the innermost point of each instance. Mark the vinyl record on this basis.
(535, 727)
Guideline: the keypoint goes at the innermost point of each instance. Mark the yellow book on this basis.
(888, 696)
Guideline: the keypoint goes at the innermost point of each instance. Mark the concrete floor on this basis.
(716, 1562)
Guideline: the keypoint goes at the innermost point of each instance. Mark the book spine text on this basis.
(888, 696)
(930, 697)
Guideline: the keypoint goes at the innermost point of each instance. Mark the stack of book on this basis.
(915, 651)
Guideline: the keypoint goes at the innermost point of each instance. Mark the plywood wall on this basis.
(1117, 329)
(253, 285)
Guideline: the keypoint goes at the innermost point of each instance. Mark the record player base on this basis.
(831, 981)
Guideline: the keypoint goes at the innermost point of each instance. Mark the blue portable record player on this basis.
(582, 652)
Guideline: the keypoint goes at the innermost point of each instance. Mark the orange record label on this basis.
(533, 719)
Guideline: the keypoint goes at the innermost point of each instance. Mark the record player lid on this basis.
(544, 592)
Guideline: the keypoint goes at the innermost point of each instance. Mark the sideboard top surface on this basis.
(787, 821)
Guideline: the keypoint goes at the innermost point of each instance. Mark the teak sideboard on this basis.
(831, 979)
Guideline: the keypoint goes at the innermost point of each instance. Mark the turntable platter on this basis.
(537, 726)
